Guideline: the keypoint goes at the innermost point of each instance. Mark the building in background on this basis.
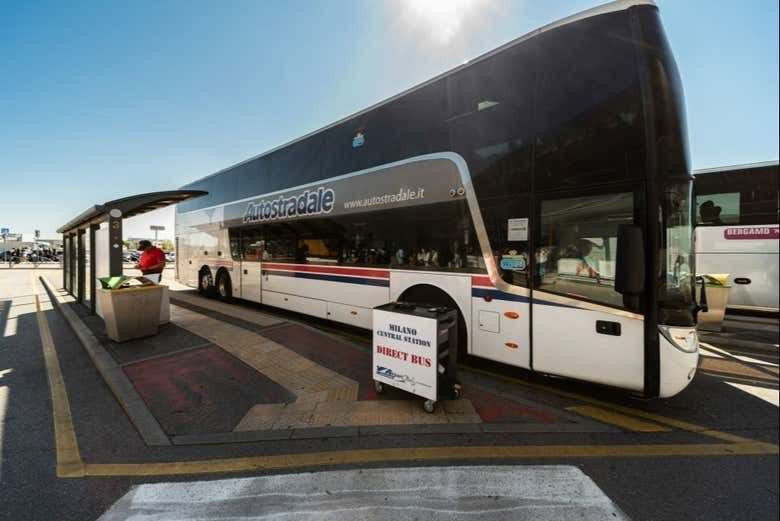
(29, 241)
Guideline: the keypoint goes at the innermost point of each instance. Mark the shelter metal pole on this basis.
(64, 262)
(92, 267)
(115, 242)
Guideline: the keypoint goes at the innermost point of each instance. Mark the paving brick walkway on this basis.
(324, 398)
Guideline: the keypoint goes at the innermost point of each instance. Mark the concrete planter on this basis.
(131, 312)
(717, 299)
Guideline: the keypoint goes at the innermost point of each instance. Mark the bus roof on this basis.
(746, 166)
(616, 5)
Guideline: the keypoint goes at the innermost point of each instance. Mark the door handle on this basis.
(246, 272)
(605, 327)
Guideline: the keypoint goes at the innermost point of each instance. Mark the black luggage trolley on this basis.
(415, 348)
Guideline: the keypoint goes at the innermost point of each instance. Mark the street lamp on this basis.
(156, 229)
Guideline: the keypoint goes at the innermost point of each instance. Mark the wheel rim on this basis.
(204, 281)
(222, 288)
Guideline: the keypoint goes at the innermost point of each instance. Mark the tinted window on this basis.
(717, 209)
(253, 245)
(744, 197)
(280, 243)
(588, 104)
(666, 100)
(566, 104)
(491, 123)
(433, 237)
(407, 127)
(577, 246)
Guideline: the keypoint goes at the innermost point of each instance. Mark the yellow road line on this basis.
(395, 455)
(621, 420)
(69, 463)
(686, 426)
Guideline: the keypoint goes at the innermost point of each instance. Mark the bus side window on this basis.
(577, 246)
(717, 209)
(252, 244)
(235, 243)
(279, 243)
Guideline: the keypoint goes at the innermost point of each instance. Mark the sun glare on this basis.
(439, 20)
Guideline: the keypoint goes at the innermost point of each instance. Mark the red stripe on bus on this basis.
(336, 270)
(481, 281)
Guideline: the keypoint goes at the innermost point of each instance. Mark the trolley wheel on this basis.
(379, 387)
(457, 391)
(429, 406)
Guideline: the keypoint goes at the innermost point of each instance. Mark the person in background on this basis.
(586, 266)
(710, 214)
(152, 259)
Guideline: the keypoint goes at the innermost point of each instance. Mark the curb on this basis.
(112, 374)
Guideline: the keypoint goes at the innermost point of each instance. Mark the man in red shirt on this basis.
(152, 259)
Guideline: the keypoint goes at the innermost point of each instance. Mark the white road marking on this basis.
(708, 353)
(747, 359)
(768, 395)
(446, 493)
(3, 409)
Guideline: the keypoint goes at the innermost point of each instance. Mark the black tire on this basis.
(224, 287)
(205, 283)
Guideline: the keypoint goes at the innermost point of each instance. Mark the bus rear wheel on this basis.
(224, 286)
(427, 294)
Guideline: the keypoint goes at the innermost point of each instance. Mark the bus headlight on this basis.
(683, 338)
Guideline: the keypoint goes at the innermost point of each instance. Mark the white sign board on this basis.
(517, 229)
(405, 349)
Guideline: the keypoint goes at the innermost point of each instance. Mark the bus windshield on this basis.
(676, 295)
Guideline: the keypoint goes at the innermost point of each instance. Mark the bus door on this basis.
(252, 251)
(501, 319)
(580, 325)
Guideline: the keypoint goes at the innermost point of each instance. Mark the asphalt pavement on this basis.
(727, 469)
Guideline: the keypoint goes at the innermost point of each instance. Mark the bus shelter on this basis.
(92, 241)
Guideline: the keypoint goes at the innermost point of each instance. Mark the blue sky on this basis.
(100, 100)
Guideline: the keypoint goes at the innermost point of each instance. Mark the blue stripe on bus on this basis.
(498, 295)
(331, 278)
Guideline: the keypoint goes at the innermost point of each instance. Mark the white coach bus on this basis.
(542, 189)
(737, 232)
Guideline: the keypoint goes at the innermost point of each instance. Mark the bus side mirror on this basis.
(630, 262)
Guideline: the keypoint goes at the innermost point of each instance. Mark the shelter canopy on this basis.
(130, 206)
(91, 250)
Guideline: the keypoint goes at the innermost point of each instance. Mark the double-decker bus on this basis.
(543, 190)
(737, 232)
